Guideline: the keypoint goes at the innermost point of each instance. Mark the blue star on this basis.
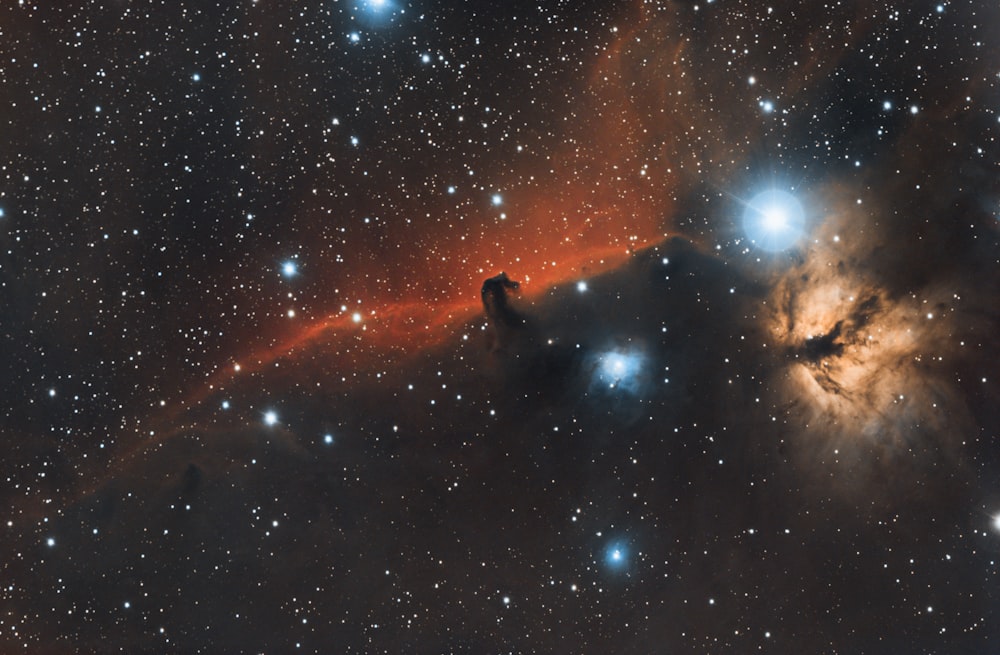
(774, 220)
(288, 269)
(616, 555)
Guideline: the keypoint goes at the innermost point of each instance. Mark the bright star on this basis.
(581, 286)
(774, 220)
(996, 522)
(328, 439)
(615, 555)
(196, 77)
(270, 418)
(497, 199)
(288, 269)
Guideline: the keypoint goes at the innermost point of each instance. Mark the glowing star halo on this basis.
(615, 555)
(377, 9)
(774, 220)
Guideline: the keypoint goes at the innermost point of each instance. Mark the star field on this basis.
(383, 326)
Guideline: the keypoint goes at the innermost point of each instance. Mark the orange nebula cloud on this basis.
(862, 362)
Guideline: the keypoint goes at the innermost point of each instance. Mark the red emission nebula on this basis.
(606, 191)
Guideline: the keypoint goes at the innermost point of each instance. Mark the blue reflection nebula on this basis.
(619, 370)
(377, 9)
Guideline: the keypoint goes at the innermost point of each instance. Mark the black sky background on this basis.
(790, 452)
